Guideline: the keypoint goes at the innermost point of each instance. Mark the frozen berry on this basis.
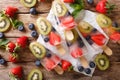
(48, 55)
(115, 24)
(88, 37)
(34, 33)
(90, 42)
(87, 71)
(92, 64)
(1, 35)
(53, 29)
(31, 26)
(81, 44)
(2, 61)
(21, 28)
(90, 1)
(94, 30)
(80, 68)
(37, 63)
(46, 39)
(33, 11)
(69, 44)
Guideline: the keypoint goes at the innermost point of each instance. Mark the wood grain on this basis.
(27, 59)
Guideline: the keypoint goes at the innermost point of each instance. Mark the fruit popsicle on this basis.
(50, 35)
(94, 37)
(106, 24)
(48, 60)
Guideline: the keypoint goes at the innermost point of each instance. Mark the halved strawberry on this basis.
(115, 36)
(65, 64)
(50, 64)
(13, 57)
(10, 47)
(54, 39)
(98, 39)
(77, 53)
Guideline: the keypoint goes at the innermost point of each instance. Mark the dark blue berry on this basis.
(2, 61)
(1, 35)
(31, 26)
(80, 68)
(48, 55)
(33, 11)
(69, 44)
(90, 42)
(34, 33)
(53, 29)
(81, 44)
(92, 64)
(21, 28)
(37, 63)
(88, 37)
(115, 24)
(94, 30)
(46, 39)
(87, 71)
(90, 1)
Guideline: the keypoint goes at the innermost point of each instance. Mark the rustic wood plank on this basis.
(40, 6)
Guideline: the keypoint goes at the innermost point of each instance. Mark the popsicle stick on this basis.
(84, 61)
(69, 35)
(107, 50)
(118, 42)
(60, 49)
(59, 70)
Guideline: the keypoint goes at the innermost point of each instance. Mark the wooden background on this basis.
(27, 59)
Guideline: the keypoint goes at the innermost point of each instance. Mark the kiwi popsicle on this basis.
(94, 37)
(106, 24)
(48, 60)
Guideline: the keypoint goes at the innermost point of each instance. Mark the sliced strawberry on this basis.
(11, 47)
(17, 71)
(65, 64)
(77, 53)
(54, 39)
(67, 20)
(10, 11)
(13, 57)
(69, 1)
(115, 36)
(98, 39)
(50, 64)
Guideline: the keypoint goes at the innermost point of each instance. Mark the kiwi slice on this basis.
(28, 3)
(44, 26)
(37, 49)
(102, 62)
(35, 74)
(59, 9)
(4, 24)
(103, 21)
(85, 27)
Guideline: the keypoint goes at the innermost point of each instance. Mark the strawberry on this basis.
(10, 11)
(54, 39)
(17, 71)
(115, 36)
(22, 41)
(50, 64)
(11, 47)
(65, 64)
(104, 7)
(69, 1)
(13, 57)
(77, 53)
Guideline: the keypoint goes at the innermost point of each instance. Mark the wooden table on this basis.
(27, 59)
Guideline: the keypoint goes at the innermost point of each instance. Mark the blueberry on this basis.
(92, 64)
(87, 71)
(37, 63)
(31, 26)
(90, 42)
(115, 24)
(81, 44)
(2, 61)
(94, 30)
(80, 68)
(33, 11)
(34, 33)
(46, 39)
(88, 37)
(48, 55)
(1, 35)
(90, 1)
(21, 28)
(69, 44)
(53, 29)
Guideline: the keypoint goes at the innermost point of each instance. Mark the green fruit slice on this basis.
(4, 24)
(103, 21)
(28, 3)
(35, 74)
(102, 62)
(59, 9)
(85, 27)
(44, 26)
(37, 49)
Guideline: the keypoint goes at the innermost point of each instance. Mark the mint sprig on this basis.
(3, 42)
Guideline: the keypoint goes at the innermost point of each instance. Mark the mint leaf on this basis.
(4, 42)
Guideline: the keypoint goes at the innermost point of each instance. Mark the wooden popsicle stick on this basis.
(59, 70)
(118, 42)
(107, 50)
(69, 35)
(84, 61)
(60, 49)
